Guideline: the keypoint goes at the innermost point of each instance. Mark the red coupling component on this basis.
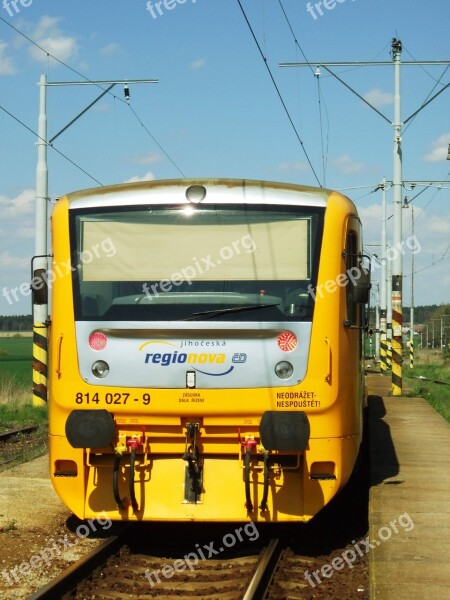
(135, 442)
(248, 444)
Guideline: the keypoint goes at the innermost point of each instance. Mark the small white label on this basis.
(190, 379)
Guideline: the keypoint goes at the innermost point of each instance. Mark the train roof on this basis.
(216, 191)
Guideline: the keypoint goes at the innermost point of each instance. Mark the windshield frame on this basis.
(163, 312)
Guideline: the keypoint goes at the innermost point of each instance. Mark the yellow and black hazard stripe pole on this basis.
(40, 309)
(383, 342)
(411, 354)
(397, 324)
(40, 362)
(389, 346)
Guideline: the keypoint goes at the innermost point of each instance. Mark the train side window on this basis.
(351, 265)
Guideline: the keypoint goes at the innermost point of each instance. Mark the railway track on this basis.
(267, 562)
(7, 435)
(16, 444)
(113, 572)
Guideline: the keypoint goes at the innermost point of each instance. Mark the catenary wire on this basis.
(426, 99)
(50, 145)
(321, 99)
(156, 142)
(435, 262)
(294, 36)
(421, 66)
(49, 54)
(430, 200)
(278, 92)
(319, 94)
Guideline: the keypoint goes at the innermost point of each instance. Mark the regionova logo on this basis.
(159, 353)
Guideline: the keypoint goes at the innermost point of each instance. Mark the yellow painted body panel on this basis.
(159, 483)
(330, 394)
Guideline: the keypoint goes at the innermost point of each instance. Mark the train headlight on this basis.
(284, 369)
(97, 340)
(196, 193)
(100, 369)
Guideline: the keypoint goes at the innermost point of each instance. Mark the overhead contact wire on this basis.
(61, 62)
(321, 129)
(278, 92)
(156, 142)
(321, 99)
(50, 145)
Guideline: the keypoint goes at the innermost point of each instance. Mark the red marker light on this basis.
(97, 340)
(287, 341)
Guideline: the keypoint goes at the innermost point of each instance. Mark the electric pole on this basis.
(40, 260)
(411, 339)
(383, 287)
(397, 317)
(396, 296)
(40, 342)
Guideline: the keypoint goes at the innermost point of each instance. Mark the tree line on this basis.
(16, 323)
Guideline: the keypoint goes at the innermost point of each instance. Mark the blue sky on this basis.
(216, 113)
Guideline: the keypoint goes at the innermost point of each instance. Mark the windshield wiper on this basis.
(216, 313)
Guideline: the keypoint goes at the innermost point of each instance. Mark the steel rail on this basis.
(8, 434)
(76, 573)
(263, 575)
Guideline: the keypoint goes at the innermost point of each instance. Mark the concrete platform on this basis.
(409, 512)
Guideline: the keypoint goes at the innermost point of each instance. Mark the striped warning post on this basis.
(383, 352)
(383, 342)
(397, 322)
(411, 354)
(40, 361)
(389, 346)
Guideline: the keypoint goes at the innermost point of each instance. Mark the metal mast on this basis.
(40, 311)
(397, 183)
(383, 287)
(396, 297)
(40, 344)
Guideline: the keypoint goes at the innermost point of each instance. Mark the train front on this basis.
(195, 371)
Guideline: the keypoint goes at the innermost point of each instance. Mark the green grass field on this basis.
(16, 360)
(16, 383)
(432, 365)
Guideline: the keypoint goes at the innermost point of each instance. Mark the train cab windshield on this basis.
(221, 262)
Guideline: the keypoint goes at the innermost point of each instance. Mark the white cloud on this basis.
(147, 177)
(378, 98)
(102, 107)
(439, 149)
(438, 224)
(371, 213)
(147, 159)
(198, 64)
(83, 67)
(293, 166)
(7, 261)
(6, 64)
(26, 231)
(23, 204)
(345, 165)
(110, 49)
(48, 35)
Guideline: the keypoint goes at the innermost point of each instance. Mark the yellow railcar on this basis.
(205, 350)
